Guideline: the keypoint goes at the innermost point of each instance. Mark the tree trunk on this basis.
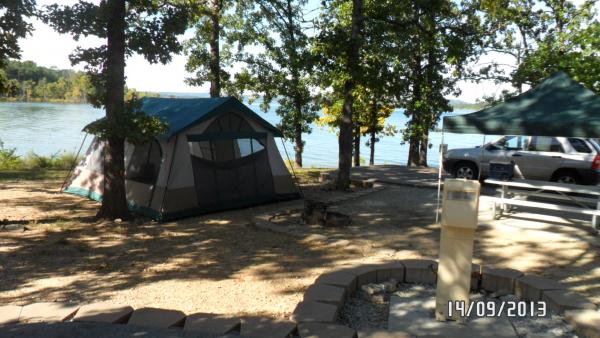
(373, 120)
(417, 95)
(413, 151)
(424, 147)
(299, 144)
(357, 147)
(295, 93)
(345, 137)
(114, 203)
(372, 144)
(215, 58)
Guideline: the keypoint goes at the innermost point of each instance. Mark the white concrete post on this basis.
(459, 221)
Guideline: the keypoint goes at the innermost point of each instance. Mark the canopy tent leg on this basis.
(481, 159)
(595, 221)
(439, 186)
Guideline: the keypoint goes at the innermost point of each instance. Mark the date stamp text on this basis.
(497, 309)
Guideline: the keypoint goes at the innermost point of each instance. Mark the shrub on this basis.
(8, 158)
(60, 160)
(65, 160)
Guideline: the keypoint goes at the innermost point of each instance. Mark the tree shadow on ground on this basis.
(548, 243)
(82, 260)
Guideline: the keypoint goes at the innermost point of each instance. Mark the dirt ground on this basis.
(51, 249)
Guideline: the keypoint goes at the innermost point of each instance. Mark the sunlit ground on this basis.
(52, 249)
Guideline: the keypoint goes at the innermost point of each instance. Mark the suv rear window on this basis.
(544, 143)
(579, 145)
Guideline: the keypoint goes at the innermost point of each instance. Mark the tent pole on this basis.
(162, 202)
(292, 167)
(439, 186)
(62, 187)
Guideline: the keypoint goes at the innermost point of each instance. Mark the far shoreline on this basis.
(458, 106)
(15, 100)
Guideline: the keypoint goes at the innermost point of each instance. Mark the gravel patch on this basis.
(360, 313)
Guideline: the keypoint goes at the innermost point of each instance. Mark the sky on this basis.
(51, 49)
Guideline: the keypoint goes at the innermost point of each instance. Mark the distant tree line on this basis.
(26, 81)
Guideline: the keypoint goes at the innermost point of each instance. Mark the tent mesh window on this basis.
(230, 163)
(144, 163)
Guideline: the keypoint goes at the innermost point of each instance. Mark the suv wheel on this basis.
(466, 170)
(566, 176)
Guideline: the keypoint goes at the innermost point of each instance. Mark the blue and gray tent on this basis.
(217, 154)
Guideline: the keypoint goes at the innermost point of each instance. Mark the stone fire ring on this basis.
(317, 314)
(324, 299)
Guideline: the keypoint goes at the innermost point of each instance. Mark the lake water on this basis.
(49, 128)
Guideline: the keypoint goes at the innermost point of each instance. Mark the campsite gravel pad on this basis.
(360, 313)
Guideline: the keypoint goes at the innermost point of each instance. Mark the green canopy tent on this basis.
(558, 106)
(542, 111)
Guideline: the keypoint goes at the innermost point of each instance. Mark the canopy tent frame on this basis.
(541, 111)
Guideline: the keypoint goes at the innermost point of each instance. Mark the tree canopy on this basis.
(541, 37)
(283, 68)
(13, 26)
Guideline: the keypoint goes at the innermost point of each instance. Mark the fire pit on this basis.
(320, 213)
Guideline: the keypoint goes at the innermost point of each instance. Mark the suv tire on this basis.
(566, 176)
(466, 170)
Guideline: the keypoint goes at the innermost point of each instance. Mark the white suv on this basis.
(560, 159)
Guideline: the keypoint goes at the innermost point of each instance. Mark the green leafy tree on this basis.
(13, 27)
(3, 82)
(218, 39)
(570, 42)
(149, 28)
(283, 69)
(512, 27)
(338, 43)
(370, 112)
(27, 90)
(48, 83)
(41, 88)
(431, 42)
(377, 109)
(543, 37)
(12, 88)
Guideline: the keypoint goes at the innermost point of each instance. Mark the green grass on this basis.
(309, 175)
(34, 167)
(37, 174)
